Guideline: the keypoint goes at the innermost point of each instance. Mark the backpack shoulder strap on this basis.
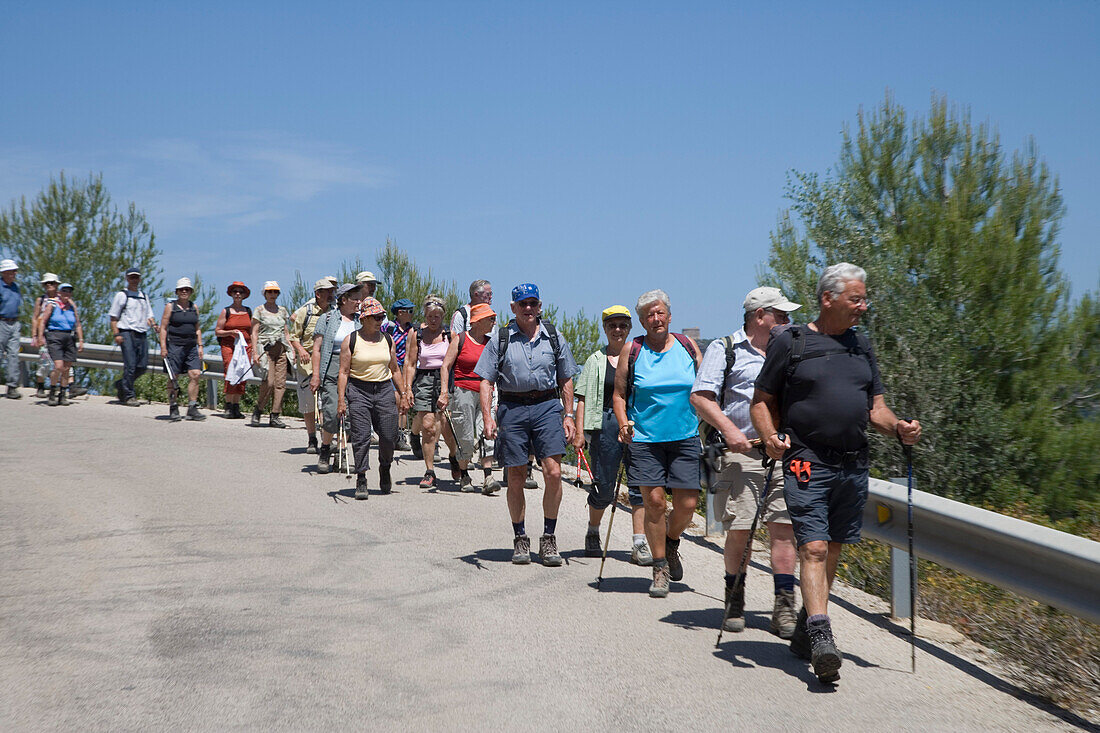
(352, 337)
(502, 348)
(555, 341)
(689, 347)
(798, 349)
(461, 341)
(731, 357)
(389, 337)
(635, 349)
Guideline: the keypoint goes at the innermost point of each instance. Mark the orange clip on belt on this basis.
(798, 468)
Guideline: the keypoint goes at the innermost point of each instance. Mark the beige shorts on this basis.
(740, 485)
(305, 394)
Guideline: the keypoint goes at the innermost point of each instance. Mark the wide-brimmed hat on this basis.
(184, 282)
(272, 285)
(238, 284)
(323, 284)
(481, 310)
(371, 307)
(766, 297)
(49, 277)
(6, 265)
(616, 311)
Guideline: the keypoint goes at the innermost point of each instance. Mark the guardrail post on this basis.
(713, 525)
(901, 600)
(211, 395)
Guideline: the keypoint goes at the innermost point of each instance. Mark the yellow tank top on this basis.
(370, 362)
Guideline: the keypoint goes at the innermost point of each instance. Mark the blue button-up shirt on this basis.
(529, 366)
(10, 300)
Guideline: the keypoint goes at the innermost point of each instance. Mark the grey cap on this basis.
(766, 297)
(346, 288)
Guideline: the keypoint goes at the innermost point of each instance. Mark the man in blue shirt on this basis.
(535, 367)
(10, 300)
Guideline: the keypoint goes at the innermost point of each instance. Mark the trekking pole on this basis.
(769, 463)
(611, 520)
(908, 451)
(587, 467)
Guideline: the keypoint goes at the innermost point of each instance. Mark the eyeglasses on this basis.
(618, 326)
(781, 316)
(377, 317)
(237, 292)
(184, 290)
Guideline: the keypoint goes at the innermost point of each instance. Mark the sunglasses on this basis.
(185, 290)
(377, 317)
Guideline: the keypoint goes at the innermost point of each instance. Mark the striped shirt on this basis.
(741, 382)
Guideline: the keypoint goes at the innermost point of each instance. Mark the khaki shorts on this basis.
(305, 394)
(740, 485)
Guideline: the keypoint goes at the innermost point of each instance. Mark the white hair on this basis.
(836, 276)
(650, 297)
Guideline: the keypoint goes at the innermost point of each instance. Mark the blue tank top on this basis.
(61, 319)
(660, 399)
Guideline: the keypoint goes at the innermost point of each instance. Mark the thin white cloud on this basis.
(230, 183)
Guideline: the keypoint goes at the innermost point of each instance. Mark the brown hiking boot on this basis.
(659, 588)
(735, 602)
(783, 615)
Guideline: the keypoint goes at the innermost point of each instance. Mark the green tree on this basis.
(971, 318)
(72, 228)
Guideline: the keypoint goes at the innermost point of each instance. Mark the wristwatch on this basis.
(570, 415)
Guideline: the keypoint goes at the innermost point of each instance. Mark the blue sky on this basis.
(597, 148)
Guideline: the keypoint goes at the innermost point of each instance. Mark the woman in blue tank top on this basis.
(61, 320)
(653, 406)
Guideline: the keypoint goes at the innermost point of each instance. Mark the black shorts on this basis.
(61, 345)
(183, 357)
(673, 465)
(829, 506)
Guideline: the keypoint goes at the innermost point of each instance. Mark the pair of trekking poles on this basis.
(342, 462)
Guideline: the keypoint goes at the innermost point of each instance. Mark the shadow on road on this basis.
(478, 558)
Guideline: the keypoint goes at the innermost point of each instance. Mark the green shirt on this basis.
(590, 386)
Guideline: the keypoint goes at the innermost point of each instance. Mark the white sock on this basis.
(639, 540)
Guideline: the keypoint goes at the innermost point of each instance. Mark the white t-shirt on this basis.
(345, 328)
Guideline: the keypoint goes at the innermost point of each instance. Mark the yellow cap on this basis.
(616, 311)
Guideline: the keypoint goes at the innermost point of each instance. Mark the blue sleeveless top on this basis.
(660, 400)
(61, 319)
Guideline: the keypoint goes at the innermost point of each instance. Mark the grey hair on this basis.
(477, 285)
(434, 301)
(835, 277)
(650, 297)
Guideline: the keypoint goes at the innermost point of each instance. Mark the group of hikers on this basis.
(653, 412)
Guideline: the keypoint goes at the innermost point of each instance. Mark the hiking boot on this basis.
(275, 421)
(521, 555)
(174, 413)
(417, 448)
(824, 656)
(385, 484)
(132, 402)
(77, 391)
(256, 420)
(735, 603)
(800, 639)
(13, 393)
(659, 589)
(491, 486)
(63, 397)
(311, 447)
(783, 616)
(548, 551)
(592, 544)
(237, 414)
(323, 457)
(672, 554)
(456, 472)
(428, 482)
(193, 413)
(641, 555)
(402, 440)
(52, 399)
(467, 484)
(361, 487)
(530, 483)
(40, 392)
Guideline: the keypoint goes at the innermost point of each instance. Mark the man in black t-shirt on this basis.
(820, 386)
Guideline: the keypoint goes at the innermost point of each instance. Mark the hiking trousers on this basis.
(371, 406)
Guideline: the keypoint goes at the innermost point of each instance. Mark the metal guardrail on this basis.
(103, 356)
(1056, 568)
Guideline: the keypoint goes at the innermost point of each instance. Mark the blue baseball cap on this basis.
(403, 303)
(525, 291)
(133, 271)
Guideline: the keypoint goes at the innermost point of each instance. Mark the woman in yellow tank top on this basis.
(371, 388)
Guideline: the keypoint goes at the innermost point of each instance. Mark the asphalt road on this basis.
(202, 576)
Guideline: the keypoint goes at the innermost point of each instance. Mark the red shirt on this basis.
(465, 363)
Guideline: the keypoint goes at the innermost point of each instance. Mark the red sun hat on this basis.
(237, 284)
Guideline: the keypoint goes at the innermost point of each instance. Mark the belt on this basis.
(427, 371)
(842, 458)
(529, 398)
(9, 320)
